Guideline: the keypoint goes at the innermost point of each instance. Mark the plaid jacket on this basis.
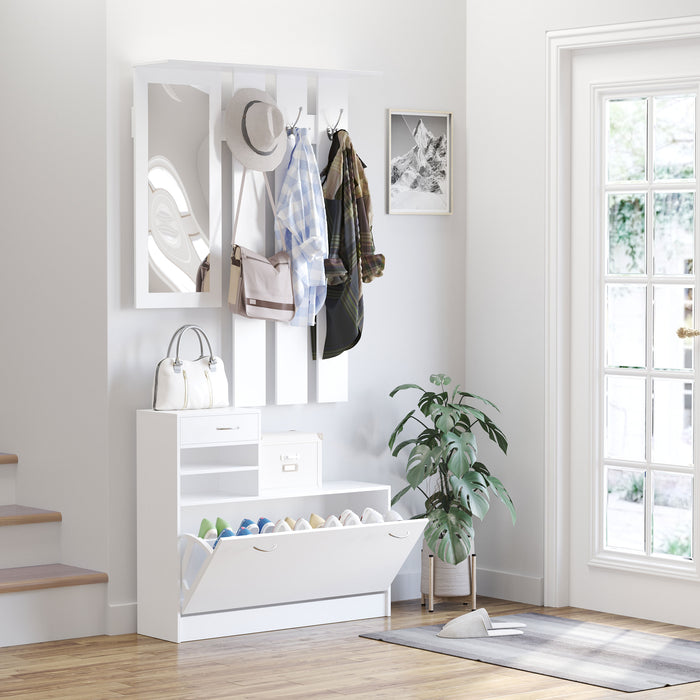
(351, 257)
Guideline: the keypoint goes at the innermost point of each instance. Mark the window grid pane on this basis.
(650, 239)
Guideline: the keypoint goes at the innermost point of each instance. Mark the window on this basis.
(647, 197)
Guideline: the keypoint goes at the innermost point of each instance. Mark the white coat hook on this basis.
(332, 129)
(296, 121)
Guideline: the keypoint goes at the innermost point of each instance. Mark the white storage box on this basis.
(290, 460)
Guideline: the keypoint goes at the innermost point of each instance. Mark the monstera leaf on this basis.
(420, 465)
(471, 491)
(460, 452)
(449, 534)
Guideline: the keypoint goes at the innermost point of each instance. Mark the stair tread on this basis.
(8, 458)
(30, 578)
(14, 514)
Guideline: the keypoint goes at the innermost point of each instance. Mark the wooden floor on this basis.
(328, 661)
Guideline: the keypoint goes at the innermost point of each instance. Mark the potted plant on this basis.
(442, 464)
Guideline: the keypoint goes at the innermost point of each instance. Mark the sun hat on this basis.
(254, 129)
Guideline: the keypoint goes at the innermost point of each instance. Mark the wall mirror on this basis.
(177, 188)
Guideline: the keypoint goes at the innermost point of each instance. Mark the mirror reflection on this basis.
(178, 188)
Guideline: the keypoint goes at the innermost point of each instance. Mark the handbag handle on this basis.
(177, 365)
(178, 333)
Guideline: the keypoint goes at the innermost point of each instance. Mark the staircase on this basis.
(41, 600)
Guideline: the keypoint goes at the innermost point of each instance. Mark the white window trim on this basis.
(560, 46)
(601, 556)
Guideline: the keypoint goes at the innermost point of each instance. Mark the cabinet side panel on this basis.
(158, 578)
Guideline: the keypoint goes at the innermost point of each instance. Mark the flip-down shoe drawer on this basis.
(285, 567)
(219, 429)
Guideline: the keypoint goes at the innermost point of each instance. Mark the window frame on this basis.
(601, 555)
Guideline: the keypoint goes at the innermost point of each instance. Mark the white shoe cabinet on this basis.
(196, 464)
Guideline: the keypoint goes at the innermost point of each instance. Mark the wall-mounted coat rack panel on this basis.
(272, 361)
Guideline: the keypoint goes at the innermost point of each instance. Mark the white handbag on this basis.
(190, 384)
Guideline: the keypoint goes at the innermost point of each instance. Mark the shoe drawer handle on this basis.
(262, 549)
(229, 428)
(399, 537)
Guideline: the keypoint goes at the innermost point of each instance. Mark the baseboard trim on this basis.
(406, 586)
(121, 618)
(490, 583)
(509, 586)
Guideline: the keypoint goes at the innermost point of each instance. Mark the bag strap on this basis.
(177, 365)
(240, 199)
(178, 333)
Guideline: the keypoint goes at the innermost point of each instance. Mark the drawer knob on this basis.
(402, 536)
(230, 428)
(272, 548)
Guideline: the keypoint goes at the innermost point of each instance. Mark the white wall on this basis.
(53, 257)
(505, 270)
(414, 314)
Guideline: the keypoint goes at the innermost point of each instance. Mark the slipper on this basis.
(473, 625)
(490, 625)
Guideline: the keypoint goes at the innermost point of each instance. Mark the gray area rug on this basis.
(585, 652)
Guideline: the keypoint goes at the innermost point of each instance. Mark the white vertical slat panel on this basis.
(291, 342)
(249, 335)
(332, 96)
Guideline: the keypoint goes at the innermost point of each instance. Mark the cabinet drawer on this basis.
(220, 429)
(336, 562)
(290, 461)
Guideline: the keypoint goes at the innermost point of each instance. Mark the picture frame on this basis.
(419, 177)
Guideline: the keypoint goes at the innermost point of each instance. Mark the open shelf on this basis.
(214, 469)
(328, 488)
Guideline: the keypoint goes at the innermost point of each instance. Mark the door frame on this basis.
(560, 48)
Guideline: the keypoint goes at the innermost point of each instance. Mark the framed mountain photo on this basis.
(420, 162)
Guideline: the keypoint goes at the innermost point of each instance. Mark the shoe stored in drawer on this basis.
(288, 567)
(218, 428)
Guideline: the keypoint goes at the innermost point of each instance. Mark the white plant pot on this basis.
(451, 580)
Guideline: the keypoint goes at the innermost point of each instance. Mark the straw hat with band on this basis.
(254, 129)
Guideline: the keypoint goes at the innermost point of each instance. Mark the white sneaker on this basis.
(391, 516)
(316, 520)
(302, 524)
(369, 515)
(332, 521)
(282, 526)
(351, 519)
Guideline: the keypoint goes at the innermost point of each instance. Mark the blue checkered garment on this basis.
(300, 228)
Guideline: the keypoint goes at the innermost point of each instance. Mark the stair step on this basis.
(26, 515)
(7, 458)
(32, 578)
